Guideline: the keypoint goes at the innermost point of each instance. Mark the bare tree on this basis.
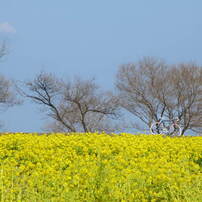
(150, 89)
(74, 106)
(186, 96)
(138, 86)
(8, 95)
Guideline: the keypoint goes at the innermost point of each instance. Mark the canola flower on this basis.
(100, 167)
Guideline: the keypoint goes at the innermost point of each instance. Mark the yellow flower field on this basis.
(100, 167)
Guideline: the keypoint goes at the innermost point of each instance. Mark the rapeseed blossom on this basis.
(100, 167)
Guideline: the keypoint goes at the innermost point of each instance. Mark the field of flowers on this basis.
(100, 167)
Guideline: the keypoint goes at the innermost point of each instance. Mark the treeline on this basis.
(148, 89)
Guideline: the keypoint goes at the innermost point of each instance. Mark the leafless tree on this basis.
(8, 95)
(151, 89)
(76, 106)
(186, 96)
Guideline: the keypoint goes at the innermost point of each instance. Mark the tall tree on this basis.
(74, 106)
(151, 89)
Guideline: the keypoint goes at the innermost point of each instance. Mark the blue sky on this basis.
(91, 38)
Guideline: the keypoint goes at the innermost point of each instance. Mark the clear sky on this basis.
(92, 38)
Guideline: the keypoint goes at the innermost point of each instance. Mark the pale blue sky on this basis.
(92, 38)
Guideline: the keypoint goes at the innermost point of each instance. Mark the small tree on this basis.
(7, 93)
(74, 106)
(151, 89)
